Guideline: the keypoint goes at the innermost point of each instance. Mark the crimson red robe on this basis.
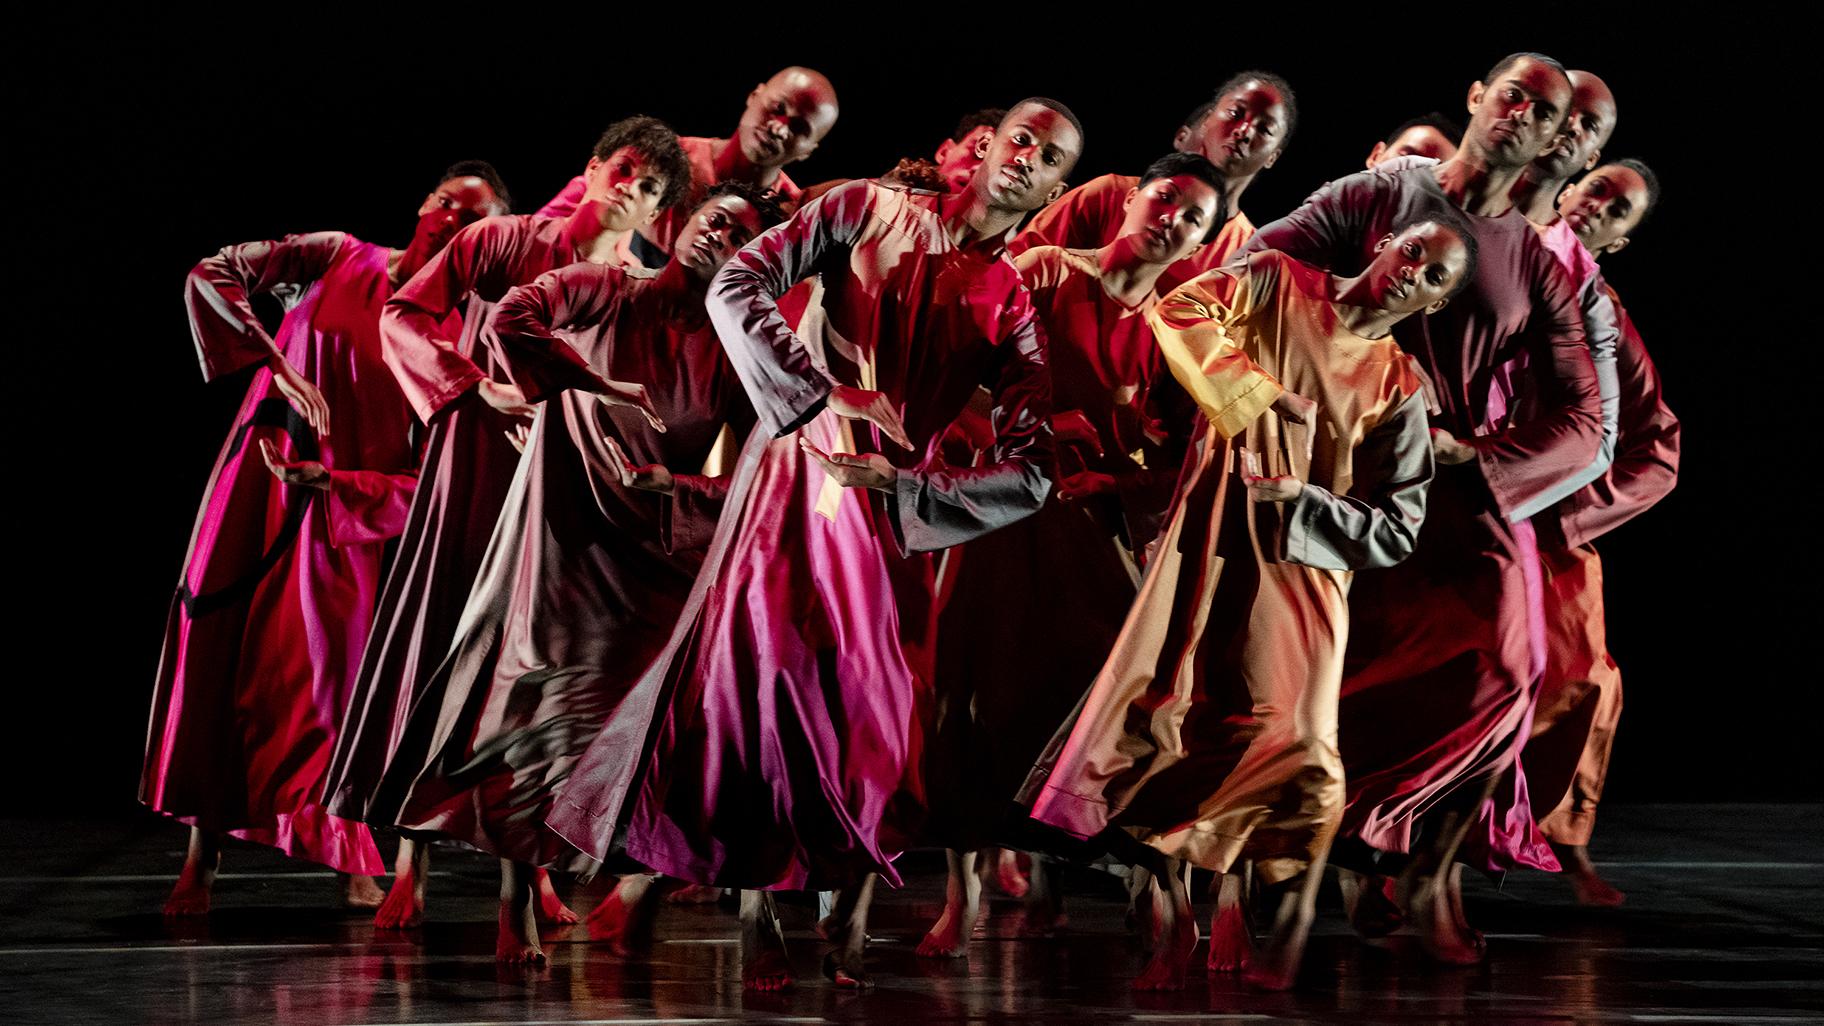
(1445, 649)
(1090, 217)
(468, 464)
(786, 700)
(268, 624)
(584, 578)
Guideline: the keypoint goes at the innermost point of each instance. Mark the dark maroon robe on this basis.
(267, 627)
(468, 464)
(1446, 648)
(584, 578)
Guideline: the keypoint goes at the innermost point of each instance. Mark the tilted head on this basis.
(1033, 148)
(1585, 130)
(1430, 135)
(1422, 263)
(786, 117)
(1245, 128)
(468, 191)
(638, 169)
(1606, 206)
(1516, 110)
(1176, 207)
(727, 219)
(958, 156)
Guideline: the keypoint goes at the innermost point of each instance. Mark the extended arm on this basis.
(227, 332)
(1377, 524)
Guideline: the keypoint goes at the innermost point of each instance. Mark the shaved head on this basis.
(786, 117)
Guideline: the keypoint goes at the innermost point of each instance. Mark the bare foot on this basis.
(1439, 933)
(764, 964)
(1008, 879)
(403, 908)
(845, 973)
(191, 895)
(767, 970)
(1166, 969)
(1594, 892)
(551, 909)
(1453, 889)
(1231, 942)
(1275, 965)
(361, 891)
(949, 936)
(624, 918)
(517, 943)
(1370, 904)
(694, 894)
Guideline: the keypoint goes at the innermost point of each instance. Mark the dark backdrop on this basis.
(143, 154)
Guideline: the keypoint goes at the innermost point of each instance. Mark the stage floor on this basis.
(1724, 924)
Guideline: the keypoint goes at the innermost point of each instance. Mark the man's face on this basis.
(450, 208)
(1245, 131)
(1417, 269)
(957, 159)
(1031, 152)
(712, 233)
(1417, 141)
(1604, 207)
(623, 190)
(785, 118)
(1584, 130)
(1167, 218)
(1515, 117)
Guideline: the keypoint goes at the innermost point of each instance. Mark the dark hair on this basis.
(1646, 174)
(1279, 85)
(1514, 58)
(764, 201)
(988, 116)
(483, 170)
(1458, 223)
(1050, 104)
(1445, 127)
(658, 145)
(916, 173)
(1199, 167)
(1198, 115)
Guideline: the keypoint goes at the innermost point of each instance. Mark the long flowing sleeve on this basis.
(695, 503)
(1602, 332)
(522, 330)
(368, 505)
(1377, 524)
(227, 332)
(774, 366)
(938, 505)
(1192, 326)
(431, 369)
(1646, 462)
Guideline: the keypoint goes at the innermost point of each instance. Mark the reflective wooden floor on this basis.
(1724, 924)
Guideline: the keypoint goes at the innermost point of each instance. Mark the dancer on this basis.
(266, 629)
(784, 119)
(786, 702)
(1580, 696)
(1242, 131)
(1432, 135)
(1211, 732)
(958, 156)
(456, 387)
(1437, 691)
(998, 700)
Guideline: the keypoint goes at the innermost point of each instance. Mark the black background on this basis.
(148, 146)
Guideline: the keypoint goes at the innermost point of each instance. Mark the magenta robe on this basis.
(584, 578)
(468, 464)
(1445, 649)
(266, 630)
(786, 701)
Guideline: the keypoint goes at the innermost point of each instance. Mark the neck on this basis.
(401, 264)
(588, 239)
(1475, 185)
(1125, 277)
(971, 219)
(1534, 194)
(732, 165)
(1233, 188)
(1353, 309)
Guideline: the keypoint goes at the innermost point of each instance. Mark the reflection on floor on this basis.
(1724, 924)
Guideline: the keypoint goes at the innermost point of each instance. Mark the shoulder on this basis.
(1047, 267)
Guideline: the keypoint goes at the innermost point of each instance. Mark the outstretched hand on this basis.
(506, 398)
(650, 477)
(874, 407)
(308, 473)
(1447, 450)
(519, 435)
(1083, 484)
(854, 470)
(1267, 489)
(301, 394)
(1072, 427)
(633, 396)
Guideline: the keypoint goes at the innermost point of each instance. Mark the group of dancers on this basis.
(723, 533)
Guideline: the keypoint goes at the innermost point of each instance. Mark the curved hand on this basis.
(854, 470)
(633, 396)
(1072, 427)
(1267, 489)
(649, 478)
(1447, 450)
(506, 398)
(873, 407)
(308, 473)
(301, 394)
(519, 435)
(1083, 484)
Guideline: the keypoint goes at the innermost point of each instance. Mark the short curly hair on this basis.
(658, 146)
(764, 201)
(485, 171)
